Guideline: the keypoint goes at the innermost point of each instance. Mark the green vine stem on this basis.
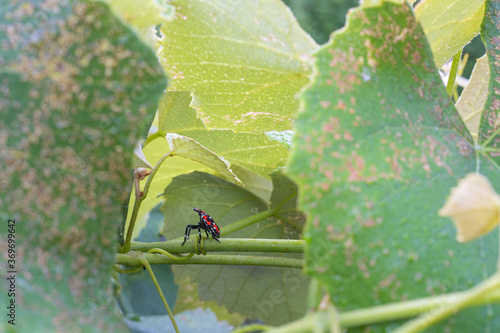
(228, 229)
(131, 259)
(201, 249)
(334, 317)
(314, 294)
(309, 323)
(126, 271)
(146, 264)
(461, 68)
(466, 299)
(393, 311)
(138, 201)
(453, 73)
(227, 244)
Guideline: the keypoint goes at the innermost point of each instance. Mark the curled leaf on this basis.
(471, 103)
(183, 146)
(140, 161)
(474, 207)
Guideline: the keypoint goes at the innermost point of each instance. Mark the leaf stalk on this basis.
(453, 73)
(146, 264)
(139, 198)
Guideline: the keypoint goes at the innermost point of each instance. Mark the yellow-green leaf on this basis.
(188, 148)
(449, 25)
(471, 103)
(244, 61)
(259, 153)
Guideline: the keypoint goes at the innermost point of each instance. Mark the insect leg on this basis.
(189, 227)
(199, 233)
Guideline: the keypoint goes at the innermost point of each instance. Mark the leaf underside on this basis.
(377, 149)
(271, 294)
(449, 25)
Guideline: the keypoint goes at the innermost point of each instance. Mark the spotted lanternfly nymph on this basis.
(206, 223)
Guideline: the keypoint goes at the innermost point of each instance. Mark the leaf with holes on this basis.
(377, 149)
(244, 60)
(77, 86)
(271, 294)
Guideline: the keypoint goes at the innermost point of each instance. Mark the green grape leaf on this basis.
(257, 184)
(378, 146)
(490, 123)
(271, 294)
(76, 89)
(284, 200)
(255, 152)
(188, 148)
(244, 62)
(248, 153)
(471, 103)
(186, 303)
(176, 115)
(449, 25)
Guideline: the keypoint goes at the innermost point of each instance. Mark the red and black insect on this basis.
(206, 223)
